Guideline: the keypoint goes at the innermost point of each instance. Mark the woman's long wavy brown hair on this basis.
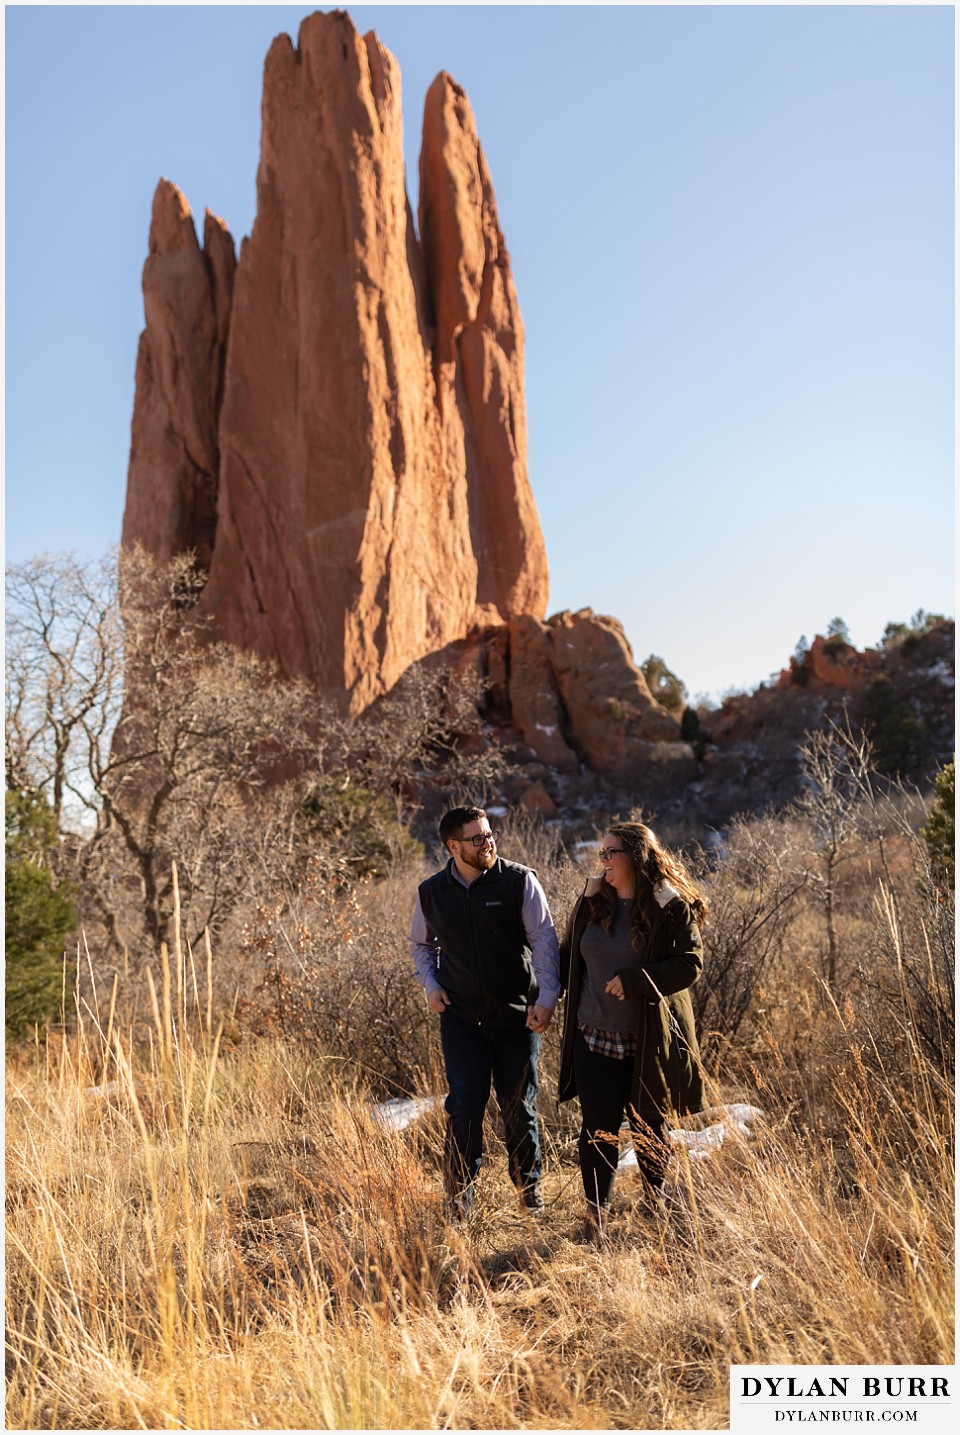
(652, 864)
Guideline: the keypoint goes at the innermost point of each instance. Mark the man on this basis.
(486, 954)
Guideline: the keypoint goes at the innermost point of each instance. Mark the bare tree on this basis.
(425, 736)
(832, 773)
(167, 746)
(206, 741)
(751, 890)
(205, 746)
(64, 675)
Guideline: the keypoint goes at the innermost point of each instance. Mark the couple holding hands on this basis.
(487, 956)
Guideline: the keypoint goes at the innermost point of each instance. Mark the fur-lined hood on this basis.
(663, 893)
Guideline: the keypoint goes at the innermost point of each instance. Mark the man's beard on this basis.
(482, 858)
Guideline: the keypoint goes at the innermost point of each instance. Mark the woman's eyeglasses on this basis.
(606, 853)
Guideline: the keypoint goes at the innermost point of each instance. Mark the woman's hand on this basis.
(614, 988)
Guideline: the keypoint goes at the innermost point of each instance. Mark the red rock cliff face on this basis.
(339, 427)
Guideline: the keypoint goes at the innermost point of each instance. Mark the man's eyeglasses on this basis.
(606, 853)
(480, 838)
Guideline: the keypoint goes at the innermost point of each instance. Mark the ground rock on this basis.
(831, 665)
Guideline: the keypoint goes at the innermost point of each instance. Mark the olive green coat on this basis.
(667, 1073)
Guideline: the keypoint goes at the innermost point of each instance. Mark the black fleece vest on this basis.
(485, 965)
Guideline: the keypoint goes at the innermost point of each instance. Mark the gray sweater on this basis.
(603, 957)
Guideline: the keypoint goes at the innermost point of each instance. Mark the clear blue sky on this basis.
(732, 233)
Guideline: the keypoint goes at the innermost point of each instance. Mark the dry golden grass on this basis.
(221, 1237)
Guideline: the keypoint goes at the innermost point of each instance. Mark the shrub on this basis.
(39, 914)
(939, 832)
(340, 809)
(751, 890)
(669, 691)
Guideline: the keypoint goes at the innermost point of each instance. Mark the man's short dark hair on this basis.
(453, 822)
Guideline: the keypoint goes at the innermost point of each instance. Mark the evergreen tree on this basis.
(838, 632)
(39, 914)
(921, 623)
(901, 741)
(693, 732)
(939, 832)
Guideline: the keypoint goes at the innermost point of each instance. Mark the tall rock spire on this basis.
(478, 352)
(174, 455)
(339, 428)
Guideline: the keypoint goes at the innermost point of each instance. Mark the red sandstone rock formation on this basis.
(831, 665)
(337, 423)
(574, 694)
(534, 699)
(478, 353)
(613, 718)
(351, 467)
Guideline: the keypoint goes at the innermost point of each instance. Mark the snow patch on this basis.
(725, 1121)
(734, 1120)
(400, 1112)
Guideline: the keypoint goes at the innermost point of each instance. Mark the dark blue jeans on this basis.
(603, 1086)
(474, 1056)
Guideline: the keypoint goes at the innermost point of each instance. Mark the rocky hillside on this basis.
(570, 767)
(901, 694)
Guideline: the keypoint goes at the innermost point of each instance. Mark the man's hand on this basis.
(437, 1000)
(539, 1018)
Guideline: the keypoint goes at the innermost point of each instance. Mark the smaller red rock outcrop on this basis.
(612, 715)
(831, 665)
(572, 693)
(536, 708)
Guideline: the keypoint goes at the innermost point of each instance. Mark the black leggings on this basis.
(603, 1085)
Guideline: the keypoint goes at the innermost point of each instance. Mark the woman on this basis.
(630, 954)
